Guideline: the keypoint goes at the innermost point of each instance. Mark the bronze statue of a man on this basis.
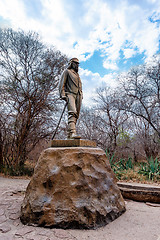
(70, 89)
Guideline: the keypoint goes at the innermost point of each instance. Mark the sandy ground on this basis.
(140, 222)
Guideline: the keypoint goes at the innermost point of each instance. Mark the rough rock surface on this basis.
(72, 188)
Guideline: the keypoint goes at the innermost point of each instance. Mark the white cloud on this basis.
(108, 26)
(110, 65)
(152, 61)
(79, 28)
(13, 11)
(110, 80)
(129, 52)
(92, 81)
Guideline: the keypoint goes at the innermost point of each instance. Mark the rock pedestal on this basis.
(72, 187)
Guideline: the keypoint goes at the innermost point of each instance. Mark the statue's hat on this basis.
(74, 60)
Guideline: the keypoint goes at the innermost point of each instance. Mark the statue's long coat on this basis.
(70, 83)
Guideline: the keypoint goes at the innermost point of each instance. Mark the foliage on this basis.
(18, 171)
(123, 138)
(150, 169)
(126, 169)
(119, 166)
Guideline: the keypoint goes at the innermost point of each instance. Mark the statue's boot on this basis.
(72, 130)
(74, 136)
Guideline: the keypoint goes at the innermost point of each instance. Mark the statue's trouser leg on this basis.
(78, 103)
(74, 105)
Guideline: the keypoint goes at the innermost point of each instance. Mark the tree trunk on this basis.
(1, 155)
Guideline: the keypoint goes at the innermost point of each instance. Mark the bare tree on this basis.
(112, 117)
(146, 138)
(29, 74)
(1, 149)
(91, 126)
(140, 91)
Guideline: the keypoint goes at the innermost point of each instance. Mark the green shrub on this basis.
(150, 169)
(122, 168)
(119, 167)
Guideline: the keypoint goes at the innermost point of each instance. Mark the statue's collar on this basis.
(73, 72)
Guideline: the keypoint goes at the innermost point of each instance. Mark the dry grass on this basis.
(132, 175)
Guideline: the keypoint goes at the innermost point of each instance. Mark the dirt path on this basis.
(139, 222)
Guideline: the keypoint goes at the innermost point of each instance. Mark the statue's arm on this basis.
(62, 84)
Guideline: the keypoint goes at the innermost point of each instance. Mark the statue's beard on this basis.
(74, 67)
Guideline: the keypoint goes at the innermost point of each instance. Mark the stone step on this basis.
(140, 192)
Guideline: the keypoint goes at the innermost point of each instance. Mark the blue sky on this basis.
(108, 36)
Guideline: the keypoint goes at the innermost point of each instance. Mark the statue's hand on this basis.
(64, 98)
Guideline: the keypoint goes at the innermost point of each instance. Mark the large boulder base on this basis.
(72, 187)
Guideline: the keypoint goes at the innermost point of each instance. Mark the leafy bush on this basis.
(18, 171)
(150, 169)
(125, 168)
(119, 167)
